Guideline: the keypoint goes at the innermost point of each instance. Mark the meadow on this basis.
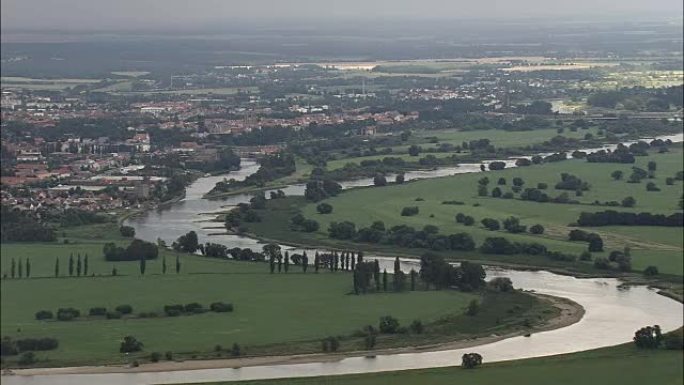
(274, 313)
(659, 246)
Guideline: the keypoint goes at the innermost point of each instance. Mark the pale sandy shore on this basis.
(570, 313)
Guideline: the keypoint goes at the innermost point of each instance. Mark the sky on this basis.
(196, 14)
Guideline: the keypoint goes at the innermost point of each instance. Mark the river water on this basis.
(612, 315)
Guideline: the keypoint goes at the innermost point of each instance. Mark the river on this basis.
(613, 312)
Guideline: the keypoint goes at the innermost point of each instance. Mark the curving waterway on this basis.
(612, 312)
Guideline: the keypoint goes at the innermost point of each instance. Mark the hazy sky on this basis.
(144, 14)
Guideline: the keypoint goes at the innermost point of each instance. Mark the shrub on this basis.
(537, 229)
(324, 208)
(491, 224)
(97, 311)
(36, 344)
(67, 314)
(542, 186)
(674, 340)
(409, 211)
(416, 327)
(127, 231)
(155, 356)
(173, 310)
(628, 202)
(168, 356)
(130, 344)
(468, 220)
(113, 315)
(502, 284)
(473, 308)
(648, 337)
(651, 271)
(460, 217)
(220, 307)
(124, 309)
(388, 325)
(602, 263)
(471, 360)
(585, 256)
(235, 350)
(44, 314)
(27, 358)
(194, 307)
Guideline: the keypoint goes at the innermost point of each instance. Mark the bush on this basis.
(674, 340)
(628, 202)
(468, 220)
(130, 344)
(168, 356)
(36, 344)
(648, 337)
(44, 314)
(537, 229)
(410, 211)
(502, 284)
(491, 224)
(194, 307)
(388, 325)
(124, 309)
(585, 256)
(473, 308)
(542, 186)
(155, 356)
(127, 231)
(416, 327)
(651, 271)
(220, 307)
(67, 314)
(471, 360)
(97, 311)
(173, 310)
(27, 358)
(113, 315)
(324, 208)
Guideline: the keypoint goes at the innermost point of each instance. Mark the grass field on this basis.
(274, 313)
(657, 246)
(498, 138)
(623, 365)
(42, 84)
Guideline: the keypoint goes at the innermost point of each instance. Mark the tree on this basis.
(21, 269)
(595, 244)
(143, 265)
(78, 266)
(496, 192)
(414, 150)
(388, 325)
(648, 337)
(287, 261)
(473, 308)
(501, 181)
(324, 208)
(271, 263)
(376, 274)
(164, 265)
(127, 231)
(617, 174)
(380, 180)
(71, 265)
(305, 262)
(56, 267)
(491, 224)
(471, 360)
(628, 202)
(384, 280)
(235, 350)
(413, 280)
(400, 178)
(187, 243)
(28, 268)
(178, 265)
(85, 265)
(397, 271)
(370, 337)
(537, 229)
(650, 271)
(317, 262)
(130, 345)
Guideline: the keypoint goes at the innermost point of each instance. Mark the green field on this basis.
(498, 138)
(657, 246)
(622, 364)
(42, 84)
(269, 308)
